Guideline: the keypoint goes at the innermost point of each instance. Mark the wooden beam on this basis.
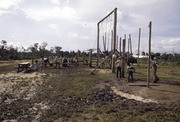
(148, 71)
(107, 15)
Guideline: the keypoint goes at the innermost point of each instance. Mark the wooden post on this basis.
(120, 45)
(104, 44)
(117, 43)
(97, 44)
(114, 40)
(130, 44)
(128, 51)
(139, 44)
(90, 58)
(111, 40)
(148, 71)
(83, 57)
(123, 58)
(105, 41)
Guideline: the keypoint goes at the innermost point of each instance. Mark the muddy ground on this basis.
(73, 94)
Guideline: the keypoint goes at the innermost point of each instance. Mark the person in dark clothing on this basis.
(65, 62)
(46, 61)
(130, 72)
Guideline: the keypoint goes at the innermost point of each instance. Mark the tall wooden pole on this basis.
(105, 42)
(114, 40)
(90, 58)
(115, 26)
(130, 44)
(148, 72)
(112, 44)
(123, 57)
(128, 52)
(120, 45)
(117, 43)
(97, 44)
(139, 44)
(83, 56)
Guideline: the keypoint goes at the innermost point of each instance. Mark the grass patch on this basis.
(166, 73)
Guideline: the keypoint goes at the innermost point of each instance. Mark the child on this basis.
(118, 64)
(130, 72)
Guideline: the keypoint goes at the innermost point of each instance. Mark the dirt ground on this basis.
(157, 92)
(49, 96)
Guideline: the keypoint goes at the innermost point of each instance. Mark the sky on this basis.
(72, 24)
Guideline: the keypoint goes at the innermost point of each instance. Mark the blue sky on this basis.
(72, 23)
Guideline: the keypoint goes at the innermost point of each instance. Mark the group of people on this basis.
(131, 69)
(56, 63)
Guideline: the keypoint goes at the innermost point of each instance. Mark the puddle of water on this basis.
(131, 96)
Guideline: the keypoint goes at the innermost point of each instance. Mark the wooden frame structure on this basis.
(113, 40)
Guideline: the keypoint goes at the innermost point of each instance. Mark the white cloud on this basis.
(56, 2)
(53, 26)
(5, 4)
(133, 3)
(3, 12)
(66, 13)
(171, 42)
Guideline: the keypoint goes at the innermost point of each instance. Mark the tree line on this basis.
(9, 52)
(34, 51)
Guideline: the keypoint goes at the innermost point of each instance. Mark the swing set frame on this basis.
(113, 44)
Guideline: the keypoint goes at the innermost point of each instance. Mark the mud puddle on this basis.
(131, 96)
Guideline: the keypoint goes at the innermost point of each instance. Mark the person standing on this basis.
(118, 64)
(130, 72)
(154, 67)
(57, 64)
